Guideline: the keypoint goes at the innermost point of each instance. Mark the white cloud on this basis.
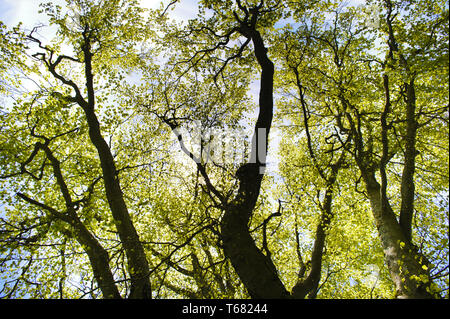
(14, 11)
(181, 11)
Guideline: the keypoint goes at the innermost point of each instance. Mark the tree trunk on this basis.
(99, 260)
(137, 262)
(407, 185)
(409, 269)
(256, 270)
(308, 286)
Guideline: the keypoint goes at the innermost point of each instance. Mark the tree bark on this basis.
(409, 269)
(99, 260)
(407, 184)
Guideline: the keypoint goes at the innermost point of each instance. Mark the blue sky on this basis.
(14, 11)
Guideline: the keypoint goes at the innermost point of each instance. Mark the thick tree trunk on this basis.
(409, 270)
(99, 260)
(256, 270)
(407, 185)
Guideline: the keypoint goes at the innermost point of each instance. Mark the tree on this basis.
(92, 38)
(134, 159)
(356, 114)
